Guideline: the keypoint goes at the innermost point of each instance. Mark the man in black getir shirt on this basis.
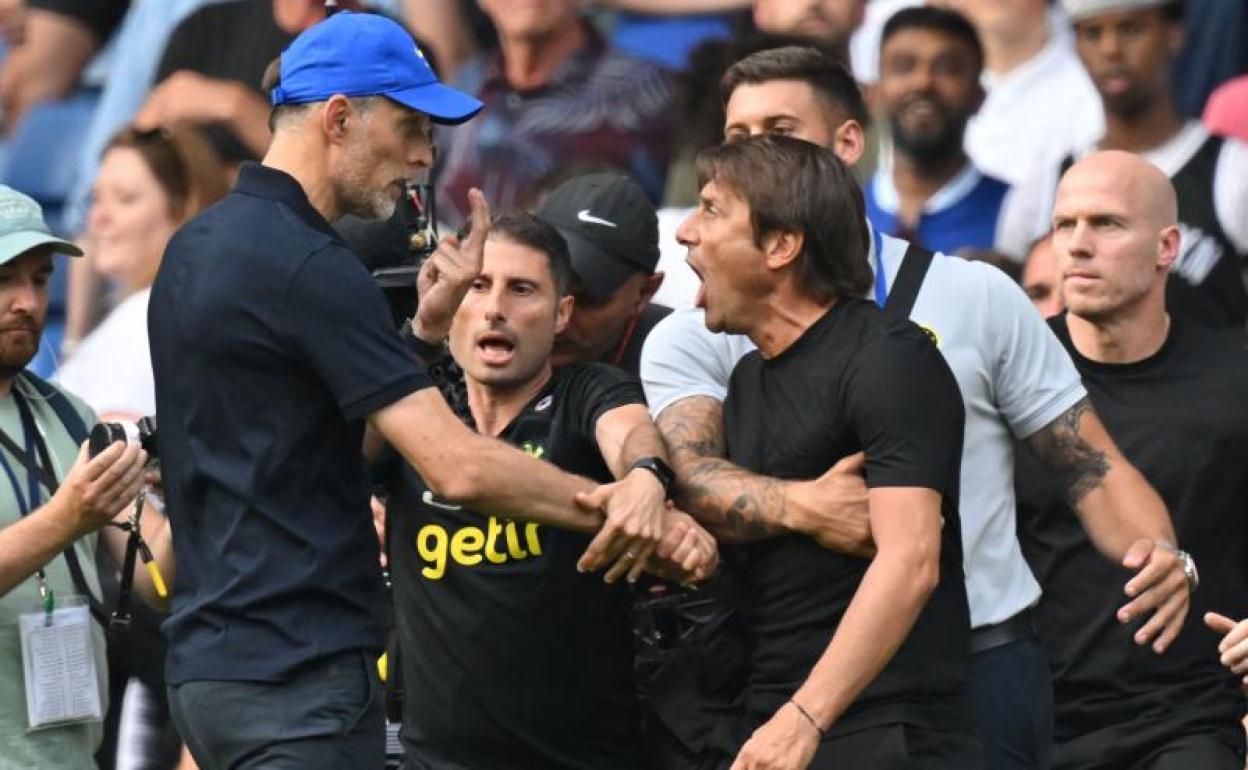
(855, 663)
(1174, 396)
(510, 657)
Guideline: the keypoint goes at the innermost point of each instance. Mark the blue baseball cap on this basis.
(365, 54)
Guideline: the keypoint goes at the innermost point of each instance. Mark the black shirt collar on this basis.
(269, 183)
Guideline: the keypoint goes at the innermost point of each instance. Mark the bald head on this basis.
(1115, 235)
(1143, 187)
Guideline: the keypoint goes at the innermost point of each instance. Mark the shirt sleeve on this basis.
(904, 405)
(338, 318)
(596, 389)
(682, 358)
(1034, 380)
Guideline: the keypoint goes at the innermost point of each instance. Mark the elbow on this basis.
(458, 479)
(921, 563)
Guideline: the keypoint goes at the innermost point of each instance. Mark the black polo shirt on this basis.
(270, 345)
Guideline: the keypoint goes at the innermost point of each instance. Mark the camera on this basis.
(105, 433)
(417, 211)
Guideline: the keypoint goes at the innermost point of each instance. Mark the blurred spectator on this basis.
(931, 193)
(149, 184)
(1040, 103)
(554, 94)
(1227, 111)
(58, 39)
(1040, 278)
(446, 29)
(667, 32)
(1215, 50)
(864, 45)
(831, 22)
(613, 240)
(1128, 47)
(140, 40)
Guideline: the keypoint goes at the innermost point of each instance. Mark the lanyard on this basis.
(30, 501)
(881, 280)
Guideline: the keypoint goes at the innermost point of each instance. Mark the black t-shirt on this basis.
(270, 345)
(226, 41)
(856, 380)
(511, 658)
(1181, 418)
(629, 359)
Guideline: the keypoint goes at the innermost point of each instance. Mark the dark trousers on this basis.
(1012, 698)
(329, 715)
(899, 747)
(1145, 747)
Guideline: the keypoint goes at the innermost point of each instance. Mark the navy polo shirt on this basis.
(270, 345)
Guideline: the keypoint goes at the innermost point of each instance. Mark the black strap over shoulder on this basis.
(77, 430)
(910, 275)
(60, 404)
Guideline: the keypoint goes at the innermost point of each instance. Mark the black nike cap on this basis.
(611, 229)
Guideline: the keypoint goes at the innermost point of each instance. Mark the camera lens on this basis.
(103, 435)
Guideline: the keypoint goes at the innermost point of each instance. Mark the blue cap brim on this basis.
(442, 104)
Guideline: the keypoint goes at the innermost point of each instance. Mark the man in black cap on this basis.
(613, 236)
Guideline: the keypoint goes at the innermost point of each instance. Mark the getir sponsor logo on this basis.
(498, 543)
(471, 546)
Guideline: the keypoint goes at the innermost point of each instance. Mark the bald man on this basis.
(1174, 397)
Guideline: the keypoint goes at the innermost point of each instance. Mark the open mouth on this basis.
(700, 300)
(495, 349)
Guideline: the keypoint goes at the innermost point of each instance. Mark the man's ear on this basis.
(649, 287)
(1168, 244)
(563, 312)
(849, 142)
(336, 117)
(781, 248)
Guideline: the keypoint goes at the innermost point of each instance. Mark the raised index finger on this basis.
(475, 242)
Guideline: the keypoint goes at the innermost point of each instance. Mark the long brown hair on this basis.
(182, 161)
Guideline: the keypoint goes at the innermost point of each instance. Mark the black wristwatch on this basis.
(661, 470)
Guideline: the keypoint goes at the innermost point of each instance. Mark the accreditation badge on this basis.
(58, 662)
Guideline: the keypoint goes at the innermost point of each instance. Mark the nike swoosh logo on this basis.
(428, 499)
(585, 216)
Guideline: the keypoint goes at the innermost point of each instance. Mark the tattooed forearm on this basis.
(1080, 467)
(734, 504)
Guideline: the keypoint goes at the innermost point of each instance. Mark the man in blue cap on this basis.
(271, 347)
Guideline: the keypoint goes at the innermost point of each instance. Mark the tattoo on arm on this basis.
(1080, 467)
(734, 504)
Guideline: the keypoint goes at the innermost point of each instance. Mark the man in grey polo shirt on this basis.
(1017, 383)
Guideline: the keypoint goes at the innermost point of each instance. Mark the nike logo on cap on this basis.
(585, 216)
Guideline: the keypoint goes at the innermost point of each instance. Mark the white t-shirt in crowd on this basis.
(1015, 378)
(112, 367)
(1036, 113)
(1230, 185)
